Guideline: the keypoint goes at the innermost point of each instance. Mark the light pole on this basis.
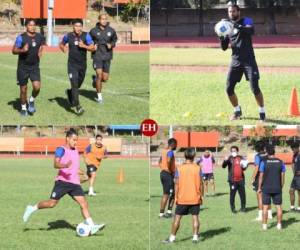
(49, 22)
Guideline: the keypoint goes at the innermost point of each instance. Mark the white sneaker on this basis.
(258, 219)
(279, 227)
(264, 226)
(96, 228)
(28, 211)
(92, 194)
(99, 101)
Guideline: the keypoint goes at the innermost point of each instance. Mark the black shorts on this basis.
(24, 73)
(238, 69)
(102, 64)
(295, 184)
(275, 197)
(90, 169)
(167, 181)
(61, 188)
(255, 184)
(76, 74)
(208, 177)
(187, 209)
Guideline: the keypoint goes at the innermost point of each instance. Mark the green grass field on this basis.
(219, 229)
(126, 93)
(123, 207)
(189, 98)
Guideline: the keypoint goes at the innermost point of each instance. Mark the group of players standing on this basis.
(184, 185)
(100, 41)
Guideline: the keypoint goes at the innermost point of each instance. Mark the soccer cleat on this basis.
(258, 219)
(24, 112)
(167, 215)
(233, 211)
(31, 107)
(28, 211)
(99, 101)
(69, 96)
(96, 228)
(79, 110)
(237, 115)
(262, 116)
(279, 227)
(92, 194)
(167, 241)
(243, 210)
(94, 78)
(264, 226)
(195, 241)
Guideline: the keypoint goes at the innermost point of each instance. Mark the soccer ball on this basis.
(224, 28)
(244, 163)
(83, 230)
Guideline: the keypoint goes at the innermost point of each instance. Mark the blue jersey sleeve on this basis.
(88, 149)
(65, 39)
(170, 154)
(176, 174)
(248, 21)
(262, 167)
(19, 42)
(88, 39)
(257, 160)
(59, 152)
(283, 168)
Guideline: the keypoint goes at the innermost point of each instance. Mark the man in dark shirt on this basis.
(271, 181)
(78, 42)
(28, 47)
(236, 179)
(105, 38)
(243, 61)
(295, 185)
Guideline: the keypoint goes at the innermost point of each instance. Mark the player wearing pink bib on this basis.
(67, 161)
(207, 162)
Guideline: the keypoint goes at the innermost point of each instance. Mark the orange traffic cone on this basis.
(294, 105)
(120, 177)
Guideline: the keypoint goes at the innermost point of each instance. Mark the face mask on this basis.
(234, 154)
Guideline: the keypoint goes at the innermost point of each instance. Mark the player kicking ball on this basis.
(243, 61)
(105, 39)
(29, 47)
(93, 155)
(271, 181)
(188, 193)
(78, 42)
(67, 161)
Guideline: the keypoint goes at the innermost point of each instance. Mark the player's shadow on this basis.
(89, 94)
(63, 103)
(53, 225)
(275, 121)
(210, 233)
(286, 223)
(249, 209)
(218, 194)
(15, 104)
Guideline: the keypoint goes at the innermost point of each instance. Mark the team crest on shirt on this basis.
(71, 75)
(33, 43)
(98, 34)
(109, 33)
(235, 31)
(53, 194)
(76, 43)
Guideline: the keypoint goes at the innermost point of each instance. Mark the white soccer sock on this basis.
(172, 238)
(35, 207)
(91, 190)
(237, 108)
(260, 212)
(89, 221)
(23, 106)
(270, 216)
(99, 96)
(261, 109)
(31, 99)
(169, 211)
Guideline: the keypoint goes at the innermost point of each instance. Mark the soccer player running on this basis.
(207, 162)
(236, 178)
(259, 157)
(78, 42)
(167, 167)
(188, 193)
(29, 47)
(271, 181)
(295, 185)
(105, 39)
(243, 61)
(67, 161)
(93, 156)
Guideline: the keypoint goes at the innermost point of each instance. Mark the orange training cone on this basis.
(294, 106)
(120, 177)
